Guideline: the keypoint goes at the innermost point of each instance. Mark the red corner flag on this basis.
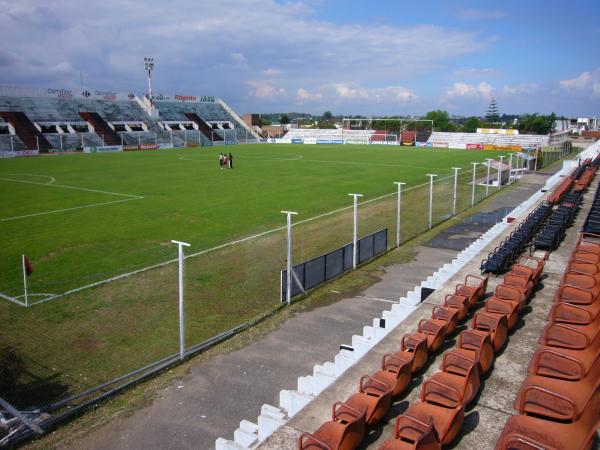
(28, 266)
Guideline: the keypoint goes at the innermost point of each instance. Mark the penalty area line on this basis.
(55, 211)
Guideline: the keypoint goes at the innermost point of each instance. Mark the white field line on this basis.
(52, 179)
(218, 247)
(11, 299)
(92, 205)
(77, 188)
(51, 184)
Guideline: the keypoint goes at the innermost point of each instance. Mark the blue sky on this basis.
(350, 57)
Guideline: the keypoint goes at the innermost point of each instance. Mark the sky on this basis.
(349, 57)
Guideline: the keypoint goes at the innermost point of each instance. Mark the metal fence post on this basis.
(487, 183)
(475, 164)
(37, 140)
(61, 142)
(180, 246)
(510, 157)
(456, 169)
(500, 172)
(288, 291)
(431, 177)
(398, 212)
(355, 238)
(12, 144)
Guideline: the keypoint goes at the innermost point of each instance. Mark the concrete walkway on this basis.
(216, 394)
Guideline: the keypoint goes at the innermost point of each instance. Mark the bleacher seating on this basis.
(460, 140)
(65, 124)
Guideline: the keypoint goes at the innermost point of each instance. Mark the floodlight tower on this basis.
(149, 66)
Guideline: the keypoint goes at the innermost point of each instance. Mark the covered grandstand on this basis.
(50, 120)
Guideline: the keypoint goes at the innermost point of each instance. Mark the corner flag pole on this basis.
(24, 267)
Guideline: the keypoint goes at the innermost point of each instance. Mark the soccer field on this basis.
(83, 218)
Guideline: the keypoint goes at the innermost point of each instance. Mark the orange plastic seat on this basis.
(374, 397)
(529, 263)
(576, 314)
(412, 434)
(563, 363)
(582, 281)
(494, 324)
(533, 433)
(585, 256)
(584, 267)
(511, 293)
(509, 308)
(414, 350)
(434, 331)
(459, 373)
(473, 288)
(478, 346)
(395, 372)
(344, 431)
(574, 294)
(446, 421)
(573, 336)
(520, 282)
(458, 302)
(449, 316)
(555, 398)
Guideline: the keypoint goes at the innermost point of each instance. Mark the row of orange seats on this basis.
(559, 403)
(585, 179)
(436, 420)
(370, 404)
(579, 179)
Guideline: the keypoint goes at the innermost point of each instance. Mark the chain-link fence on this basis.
(90, 334)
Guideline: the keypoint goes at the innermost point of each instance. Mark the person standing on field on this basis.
(221, 161)
(230, 161)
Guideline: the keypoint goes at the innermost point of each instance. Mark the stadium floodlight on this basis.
(288, 292)
(355, 238)
(149, 66)
(431, 177)
(398, 212)
(180, 246)
(456, 169)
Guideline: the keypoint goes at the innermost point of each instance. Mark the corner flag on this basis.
(28, 266)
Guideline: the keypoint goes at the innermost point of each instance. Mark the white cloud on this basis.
(523, 88)
(264, 90)
(270, 72)
(238, 58)
(389, 94)
(304, 96)
(481, 14)
(194, 44)
(587, 81)
(475, 72)
(461, 89)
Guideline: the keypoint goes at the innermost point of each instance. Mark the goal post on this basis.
(385, 130)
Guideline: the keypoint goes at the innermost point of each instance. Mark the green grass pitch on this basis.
(81, 218)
